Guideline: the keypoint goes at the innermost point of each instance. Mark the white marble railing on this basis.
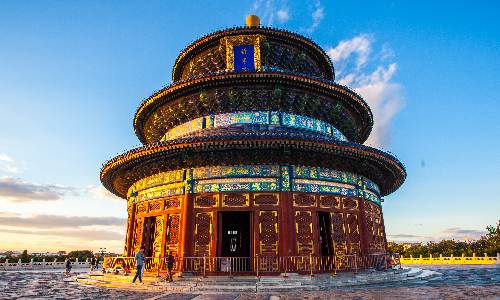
(41, 265)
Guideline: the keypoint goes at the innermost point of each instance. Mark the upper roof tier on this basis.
(278, 49)
(253, 68)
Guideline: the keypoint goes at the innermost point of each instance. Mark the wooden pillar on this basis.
(147, 234)
(130, 231)
(287, 226)
(187, 226)
(363, 231)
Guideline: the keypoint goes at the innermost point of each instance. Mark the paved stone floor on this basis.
(451, 282)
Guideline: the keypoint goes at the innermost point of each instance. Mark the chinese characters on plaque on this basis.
(244, 57)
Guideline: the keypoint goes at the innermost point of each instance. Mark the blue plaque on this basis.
(243, 57)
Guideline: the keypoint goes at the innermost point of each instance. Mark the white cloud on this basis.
(4, 157)
(317, 16)
(351, 58)
(269, 11)
(11, 169)
(360, 45)
(283, 15)
(15, 190)
(100, 192)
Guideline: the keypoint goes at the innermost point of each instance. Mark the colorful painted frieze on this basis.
(369, 195)
(188, 127)
(371, 186)
(257, 117)
(327, 189)
(236, 171)
(326, 174)
(285, 178)
(236, 187)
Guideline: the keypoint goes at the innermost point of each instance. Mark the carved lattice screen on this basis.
(138, 229)
(352, 221)
(157, 236)
(303, 223)
(172, 237)
(338, 233)
(203, 234)
(268, 233)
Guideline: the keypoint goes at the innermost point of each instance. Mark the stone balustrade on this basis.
(8, 266)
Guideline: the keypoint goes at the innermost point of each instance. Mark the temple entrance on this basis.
(235, 239)
(148, 237)
(325, 233)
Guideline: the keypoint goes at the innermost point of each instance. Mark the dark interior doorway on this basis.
(149, 230)
(325, 233)
(235, 238)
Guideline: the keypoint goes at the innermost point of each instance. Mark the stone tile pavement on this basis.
(451, 282)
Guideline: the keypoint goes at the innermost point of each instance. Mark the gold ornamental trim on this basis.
(228, 42)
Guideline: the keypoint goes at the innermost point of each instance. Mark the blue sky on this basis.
(72, 74)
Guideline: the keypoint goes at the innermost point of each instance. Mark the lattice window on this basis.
(157, 236)
(303, 223)
(235, 200)
(350, 203)
(330, 201)
(304, 200)
(268, 238)
(173, 203)
(206, 201)
(203, 233)
(371, 232)
(338, 233)
(377, 210)
(265, 199)
(154, 206)
(352, 221)
(141, 208)
(139, 224)
(173, 228)
(368, 207)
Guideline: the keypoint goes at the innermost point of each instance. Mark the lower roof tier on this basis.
(253, 178)
(121, 172)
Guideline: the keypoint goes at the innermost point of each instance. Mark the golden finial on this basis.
(253, 21)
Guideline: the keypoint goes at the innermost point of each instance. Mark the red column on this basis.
(130, 231)
(363, 232)
(187, 226)
(287, 228)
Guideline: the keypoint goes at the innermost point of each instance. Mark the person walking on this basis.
(97, 263)
(170, 265)
(139, 261)
(68, 266)
(92, 263)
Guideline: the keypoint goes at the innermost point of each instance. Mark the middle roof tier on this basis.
(227, 92)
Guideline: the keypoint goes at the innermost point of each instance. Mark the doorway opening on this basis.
(325, 233)
(235, 240)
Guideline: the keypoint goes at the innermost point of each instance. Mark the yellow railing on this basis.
(459, 260)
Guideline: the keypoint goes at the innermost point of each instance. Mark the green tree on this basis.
(25, 258)
(492, 240)
(82, 255)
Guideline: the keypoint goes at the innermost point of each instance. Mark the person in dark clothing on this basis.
(170, 265)
(139, 260)
(68, 265)
(92, 263)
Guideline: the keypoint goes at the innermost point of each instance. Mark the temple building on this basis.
(254, 149)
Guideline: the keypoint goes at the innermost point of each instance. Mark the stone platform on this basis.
(266, 284)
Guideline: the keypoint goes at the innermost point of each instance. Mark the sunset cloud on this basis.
(41, 221)
(99, 192)
(15, 190)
